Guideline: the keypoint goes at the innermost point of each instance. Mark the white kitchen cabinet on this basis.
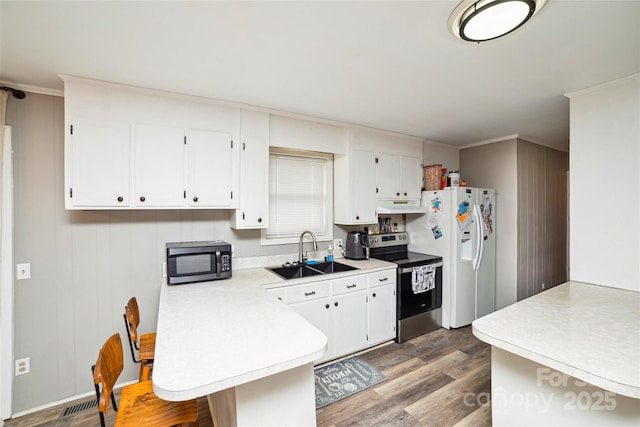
(382, 306)
(159, 166)
(412, 177)
(398, 177)
(134, 148)
(354, 312)
(348, 327)
(98, 156)
(382, 314)
(354, 191)
(209, 169)
(253, 209)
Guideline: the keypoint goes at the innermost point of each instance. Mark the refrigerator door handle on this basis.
(480, 238)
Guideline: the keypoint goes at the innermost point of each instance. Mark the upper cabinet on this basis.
(398, 177)
(354, 192)
(130, 148)
(377, 167)
(159, 166)
(98, 159)
(253, 210)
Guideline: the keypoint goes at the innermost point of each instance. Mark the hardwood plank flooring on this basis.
(442, 378)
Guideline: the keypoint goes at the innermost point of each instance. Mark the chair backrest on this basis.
(132, 314)
(107, 370)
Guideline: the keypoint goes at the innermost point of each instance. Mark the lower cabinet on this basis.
(352, 314)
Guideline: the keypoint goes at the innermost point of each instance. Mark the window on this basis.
(300, 195)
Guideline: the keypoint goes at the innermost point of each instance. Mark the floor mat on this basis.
(344, 378)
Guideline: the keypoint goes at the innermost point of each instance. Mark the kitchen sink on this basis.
(298, 271)
(331, 267)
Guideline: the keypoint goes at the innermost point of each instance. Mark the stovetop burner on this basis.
(393, 247)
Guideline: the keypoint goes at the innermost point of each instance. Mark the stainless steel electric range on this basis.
(418, 309)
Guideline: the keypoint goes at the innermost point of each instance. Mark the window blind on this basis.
(297, 196)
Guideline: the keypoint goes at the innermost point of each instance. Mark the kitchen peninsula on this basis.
(232, 341)
(238, 344)
(566, 356)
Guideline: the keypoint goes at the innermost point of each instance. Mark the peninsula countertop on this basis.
(587, 331)
(215, 335)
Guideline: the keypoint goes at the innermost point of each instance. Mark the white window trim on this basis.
(328, 236)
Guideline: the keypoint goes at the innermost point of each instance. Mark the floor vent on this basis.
(79, 407)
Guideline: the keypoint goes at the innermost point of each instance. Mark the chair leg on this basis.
(145, 371)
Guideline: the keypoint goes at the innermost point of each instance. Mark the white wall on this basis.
(436, 153)
(605, 184)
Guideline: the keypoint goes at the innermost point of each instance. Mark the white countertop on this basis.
(219, 334)
(587, 331)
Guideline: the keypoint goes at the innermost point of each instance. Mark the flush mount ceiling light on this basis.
(482, 20)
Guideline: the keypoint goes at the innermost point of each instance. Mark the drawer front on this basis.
(349, 284)
(308, 291)
(381, 278)
(280, 293)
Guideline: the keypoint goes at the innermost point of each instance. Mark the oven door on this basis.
(410, 303)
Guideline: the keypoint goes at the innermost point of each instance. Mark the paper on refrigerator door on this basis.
(486, 209)
(464, 216)
(434, 221)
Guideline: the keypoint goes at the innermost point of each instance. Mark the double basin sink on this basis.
(306, 270)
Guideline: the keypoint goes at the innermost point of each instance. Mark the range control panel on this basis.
(388, 239)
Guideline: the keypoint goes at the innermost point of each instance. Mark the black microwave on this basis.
(189, 262)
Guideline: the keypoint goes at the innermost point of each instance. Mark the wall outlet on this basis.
(23, 366)
(23, 271)
(337, 248)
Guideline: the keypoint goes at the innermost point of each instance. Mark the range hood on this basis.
(400, 207)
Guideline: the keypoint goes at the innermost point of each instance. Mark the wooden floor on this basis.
(438, 379)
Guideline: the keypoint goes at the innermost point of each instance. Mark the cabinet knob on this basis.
(357, 217)
(120, 199)
(142, 198)
(405, 194)
(327, 306)
(397, 194)
(335, 303)
(195, 199)
(374, 295)
(259, 219)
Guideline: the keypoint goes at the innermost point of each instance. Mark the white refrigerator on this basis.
(460, 226)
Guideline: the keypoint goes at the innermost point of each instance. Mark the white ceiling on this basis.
(389, 65)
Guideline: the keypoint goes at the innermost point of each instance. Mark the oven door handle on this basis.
(410, 269)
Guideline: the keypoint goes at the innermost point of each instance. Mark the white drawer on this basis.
(308, 291)
(280, 293)
(380, 278)
(349, 284)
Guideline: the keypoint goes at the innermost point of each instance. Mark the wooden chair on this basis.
(144, 344)
(139, 406)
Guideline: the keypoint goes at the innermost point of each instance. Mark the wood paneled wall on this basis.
(542, 217)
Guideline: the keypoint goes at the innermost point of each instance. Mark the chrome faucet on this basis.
(315, 244)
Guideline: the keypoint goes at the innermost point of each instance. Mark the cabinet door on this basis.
(411, 177)
(363, 187)
(160, 166)
(98, 172)
(382, 314)
(254, 172)
(318, 313)
(349, 323)
(388, 176)
(209, 169)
